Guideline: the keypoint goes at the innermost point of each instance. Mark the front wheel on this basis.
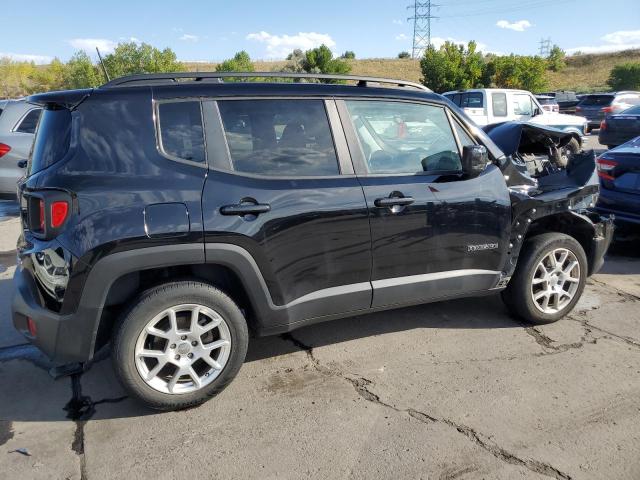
(549, 278)
(179, 345)
(569, 150)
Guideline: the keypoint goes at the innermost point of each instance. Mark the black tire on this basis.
(566, 152)
(517, 296)
(151, 303)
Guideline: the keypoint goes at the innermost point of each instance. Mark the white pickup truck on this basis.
(487, 106)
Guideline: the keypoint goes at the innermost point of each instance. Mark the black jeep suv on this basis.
(172, 215)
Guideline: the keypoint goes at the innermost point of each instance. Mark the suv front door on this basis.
(434, 232)
(282, 188)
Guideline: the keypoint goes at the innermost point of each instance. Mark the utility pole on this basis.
(545, 47)
(421, 26)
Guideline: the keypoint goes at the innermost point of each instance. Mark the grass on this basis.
(583, 73)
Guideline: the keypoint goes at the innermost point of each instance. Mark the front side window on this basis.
(279, 137)
(404, 137)
(522, 104)
(29, 122)
(181, 132)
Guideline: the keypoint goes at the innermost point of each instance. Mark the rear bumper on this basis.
(63, 338)
(608, 137)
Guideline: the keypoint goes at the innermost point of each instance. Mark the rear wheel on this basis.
(548, 280)
(180, 344)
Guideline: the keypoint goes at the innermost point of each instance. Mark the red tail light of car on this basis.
(605, 168)
(59, 212)
(4, 149)
(607, 109)
(603, 125)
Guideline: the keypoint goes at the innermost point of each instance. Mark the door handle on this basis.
(245, 209)
(393, 201)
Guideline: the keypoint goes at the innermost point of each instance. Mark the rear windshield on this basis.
(597, 100)
(633, 110)
(53, 137)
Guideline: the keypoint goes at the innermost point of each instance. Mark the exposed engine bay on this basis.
(542, 150)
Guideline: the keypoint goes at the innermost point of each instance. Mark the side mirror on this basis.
(22, 164)
(474, 160)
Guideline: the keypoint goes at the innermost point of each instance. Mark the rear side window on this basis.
(279, 137)
(472, 100)
(29, 122)
(597, 100)
(52, 140)
(499, 103)
(181, 133)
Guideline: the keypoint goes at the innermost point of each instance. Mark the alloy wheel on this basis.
(555, 281)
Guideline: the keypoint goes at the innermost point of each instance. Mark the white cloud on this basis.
(189, 38)
(401, 36)
(24, 57)
(614, 42)
(397, 22)
(279, 46)
(519, 26)
(89, 44)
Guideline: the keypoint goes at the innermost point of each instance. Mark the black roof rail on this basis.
(159, 78)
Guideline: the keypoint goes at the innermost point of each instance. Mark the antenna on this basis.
(104, 68)
(421, 26)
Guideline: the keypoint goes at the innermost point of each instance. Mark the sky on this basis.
(214, 30)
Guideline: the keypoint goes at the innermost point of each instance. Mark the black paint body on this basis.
(323, 249)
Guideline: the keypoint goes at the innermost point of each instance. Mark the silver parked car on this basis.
(18, 121)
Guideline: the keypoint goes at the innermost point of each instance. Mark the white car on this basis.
(487, 106)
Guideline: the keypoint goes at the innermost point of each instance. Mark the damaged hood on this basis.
(510, 137)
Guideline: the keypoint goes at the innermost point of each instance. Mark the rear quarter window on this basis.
(181, 135)
(499, 104)
(53, 137)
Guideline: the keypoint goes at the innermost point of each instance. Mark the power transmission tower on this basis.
(545, 47)
(421, 26)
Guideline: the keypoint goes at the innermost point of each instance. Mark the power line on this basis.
(421, 26)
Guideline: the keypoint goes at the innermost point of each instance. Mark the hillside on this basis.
(584, 73)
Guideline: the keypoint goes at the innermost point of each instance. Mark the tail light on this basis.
(578, 109)
(607, 109)
(31, 326)
(605, 168)
(47, 212)
(4, 149)
(603, 125)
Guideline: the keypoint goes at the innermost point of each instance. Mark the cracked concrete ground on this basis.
(450, 390)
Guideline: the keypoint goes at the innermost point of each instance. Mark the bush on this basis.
(452, 67)
(130, 58)
(404, 55)
(241, 62)
(517, 71)
(349, 55)
(625, 76)
(555, 60)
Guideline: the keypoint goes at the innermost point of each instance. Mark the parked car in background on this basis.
(487, 106)
(567, 100)
(18, 121)
(307, 202)
(548, 103)
(596, 106)
(620, 128)
(619, 172)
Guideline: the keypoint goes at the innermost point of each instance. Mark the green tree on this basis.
(452, 67)
(46, 78)
(129, 58)
(516, 71)
(320, 60)
(81, 73)
(241, 62)
(625, 76)
(404, 55)
(555, 60)
(349, 55)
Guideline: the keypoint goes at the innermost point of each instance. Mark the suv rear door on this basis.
(281, 186)
(592, 107)
(434, 233)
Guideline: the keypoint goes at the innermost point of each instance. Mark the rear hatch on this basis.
(592, 107)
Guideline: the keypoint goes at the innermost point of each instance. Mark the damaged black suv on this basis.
(171, 215)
